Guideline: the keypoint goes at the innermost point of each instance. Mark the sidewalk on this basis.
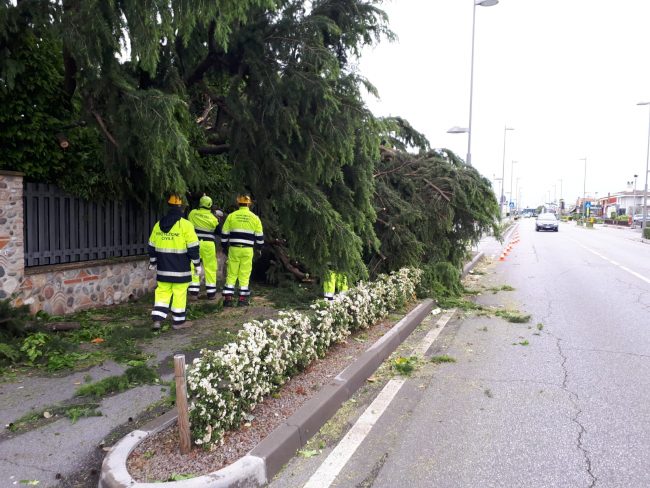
(60, 453)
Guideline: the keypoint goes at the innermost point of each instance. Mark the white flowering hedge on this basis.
(226, 384)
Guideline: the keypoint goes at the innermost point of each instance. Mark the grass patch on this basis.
(405, 366)
(74, 412)
(133, 376)
(484, 329)
(289, 294)
(102, 333)
(122, 342)
(471, 291)
(458, 303)
(513, 316)
(540, 326)
(488, 393)
(219, 337)
(442, 359)
(497, 289)
(521, 343)
(180, 477)
(77, 412)
(199, 310)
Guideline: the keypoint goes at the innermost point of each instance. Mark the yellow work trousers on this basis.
(170, 296)
(238, 268)
(334, 283)
(208, 253)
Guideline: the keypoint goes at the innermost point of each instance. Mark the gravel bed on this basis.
(158, 458)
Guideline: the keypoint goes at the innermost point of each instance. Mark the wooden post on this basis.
(181, 403)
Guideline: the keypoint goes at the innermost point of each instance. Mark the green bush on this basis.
(440, 280)
(646, 233)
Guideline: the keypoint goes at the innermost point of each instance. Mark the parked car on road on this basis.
(546, 221)
(638, 218)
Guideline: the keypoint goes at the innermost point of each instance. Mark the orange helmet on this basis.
(175, 199)
(244, 200)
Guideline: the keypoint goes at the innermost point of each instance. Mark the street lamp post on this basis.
(517, 195)
(482, 3)
(503, 164)
(584, 188)
(634, 200)
(560, 180)
(645, 190)
(512, 170)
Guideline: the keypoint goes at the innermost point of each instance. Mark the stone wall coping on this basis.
(52, 268)
(4, 172)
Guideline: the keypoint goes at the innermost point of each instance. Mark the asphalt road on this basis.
(564, 406)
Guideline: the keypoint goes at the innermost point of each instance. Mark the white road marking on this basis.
(615, 263)
(339, 457)
(433, 334)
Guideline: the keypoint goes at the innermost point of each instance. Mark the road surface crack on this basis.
(578, 411)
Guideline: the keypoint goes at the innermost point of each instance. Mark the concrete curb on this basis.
(267, 458)
(470, 266)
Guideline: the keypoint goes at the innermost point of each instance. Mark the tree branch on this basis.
(212, 150)
(104, 129)
(442, 193)
(210, 59)
(284, 259)
(70, 75)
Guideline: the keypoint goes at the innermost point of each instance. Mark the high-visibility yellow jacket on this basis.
(173, 244)
(242, 228)
(205, 223)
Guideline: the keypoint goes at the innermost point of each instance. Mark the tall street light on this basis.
(634, 198)
(584, 188)
(503, 164)
(560, 180)
(517, 195)
(512, 171)
(482, 3)
(645, 191)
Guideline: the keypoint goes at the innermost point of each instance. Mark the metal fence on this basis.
(60, 228)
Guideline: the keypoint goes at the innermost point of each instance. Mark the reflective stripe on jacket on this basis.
(205, 224)
(173, 251)
(242, 228)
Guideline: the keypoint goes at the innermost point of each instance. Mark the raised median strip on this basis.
(268, 457)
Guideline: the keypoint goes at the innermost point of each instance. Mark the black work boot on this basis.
(228, 301)
(243, 301)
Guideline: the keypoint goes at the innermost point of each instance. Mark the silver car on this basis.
(546, 221)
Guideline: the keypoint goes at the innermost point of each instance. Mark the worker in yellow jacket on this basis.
(205, 224)
(240, 233)
(173, 246)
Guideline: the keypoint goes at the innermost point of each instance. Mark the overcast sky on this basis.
(565, 74)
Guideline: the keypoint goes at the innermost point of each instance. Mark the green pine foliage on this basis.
(229, 96)
(430, 206)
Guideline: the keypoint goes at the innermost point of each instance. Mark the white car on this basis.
(546, 221)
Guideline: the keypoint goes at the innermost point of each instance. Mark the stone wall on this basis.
(12, 257)
(62, 288)
(65, 288)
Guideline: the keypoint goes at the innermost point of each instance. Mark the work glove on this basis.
(152, 267)
(198, 269)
